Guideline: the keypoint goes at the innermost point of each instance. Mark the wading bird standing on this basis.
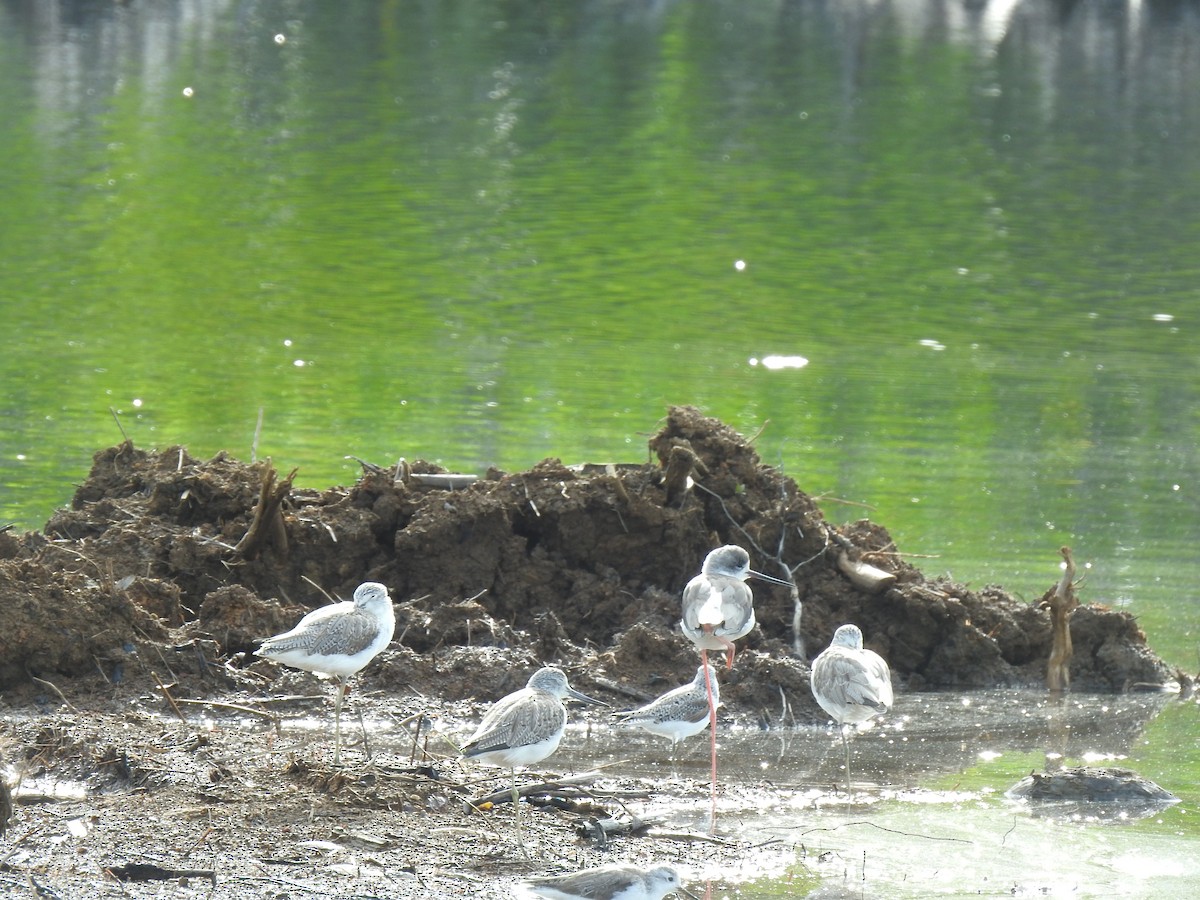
(336, 641)
(609, 883)
(524, 728)
(851, 683)
(680, 712)
(718, 608)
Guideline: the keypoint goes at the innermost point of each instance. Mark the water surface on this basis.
(485, 233)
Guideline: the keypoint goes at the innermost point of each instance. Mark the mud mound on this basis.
(558, 563)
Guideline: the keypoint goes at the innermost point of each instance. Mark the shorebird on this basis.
(718, 608)
(525, 727)
(680, 712)
(337, 640)
(615, 882)
(851, 683)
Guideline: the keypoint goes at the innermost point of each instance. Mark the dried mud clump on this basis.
(559, 563)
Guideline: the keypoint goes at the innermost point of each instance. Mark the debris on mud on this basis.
(1100, 793)
(142, 733)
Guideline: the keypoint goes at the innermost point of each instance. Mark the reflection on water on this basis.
(486, 233)
(925, 737)
(928, 816)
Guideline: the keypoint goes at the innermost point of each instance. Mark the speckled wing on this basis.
(594, 884)
(517, 721)
(343, 632)
(683, 704)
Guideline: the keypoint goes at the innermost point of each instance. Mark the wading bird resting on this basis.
(524, 728)
(851, 683)
(336, 641)
(718, 608)
(608, 883)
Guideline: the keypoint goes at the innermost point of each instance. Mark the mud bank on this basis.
(144, 739)
(560, 563)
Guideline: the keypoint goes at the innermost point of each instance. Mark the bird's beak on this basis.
(584, 698)
(771, 578)
(686, 893)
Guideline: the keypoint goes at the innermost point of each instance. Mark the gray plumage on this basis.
(851, 683)
(524, 728)
(612, 882)
(680, 712)
(718, 606)
(336, 641)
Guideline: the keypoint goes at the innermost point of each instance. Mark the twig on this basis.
(171, 700)
(1061, 601)
(151, 872)
(49, 686)
(825, 498)
(319, 588)
(257, 435)
(412, 756)
(543, 787)
(761, 428)
(689, 836)
(232, 707)
(120, 427)
(267, 525)
(927, 837)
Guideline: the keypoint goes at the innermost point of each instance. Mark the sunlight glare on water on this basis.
(939, 259)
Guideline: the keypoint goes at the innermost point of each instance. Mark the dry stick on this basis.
(49, 686)
(928, 837)
(167, 693)
(234, 707)
(559, 783)
(412, 756)
(120, 427)
(257, 435)
(151, 872)
(267, 524)
(318, 587)
(1062, 602)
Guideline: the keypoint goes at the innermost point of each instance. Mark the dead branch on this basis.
(151, 872)
(1061, 601)
(867, 578)
(681, 462)
(601, 829)
(267, 528)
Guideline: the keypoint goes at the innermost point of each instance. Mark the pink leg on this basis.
(729, 651)
(712, 736)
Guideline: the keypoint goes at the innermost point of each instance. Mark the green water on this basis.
(487, 233)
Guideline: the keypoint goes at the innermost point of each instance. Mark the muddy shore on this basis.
(127, 627)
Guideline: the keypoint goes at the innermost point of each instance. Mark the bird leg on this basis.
(337, 721)
(712, 737)
(728, 644)
(363, 726)
(516, 801)
(846, 747)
